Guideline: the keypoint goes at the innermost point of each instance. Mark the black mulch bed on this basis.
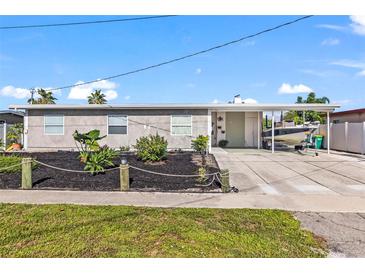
(176, 163)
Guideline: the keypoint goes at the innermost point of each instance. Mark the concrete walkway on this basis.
(302, 203)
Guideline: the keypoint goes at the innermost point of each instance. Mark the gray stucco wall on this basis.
(140, 123)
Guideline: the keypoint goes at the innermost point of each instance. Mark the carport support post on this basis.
(258, 130)
(124, 177)
(26, 173)
(272, 132)
(328, 132)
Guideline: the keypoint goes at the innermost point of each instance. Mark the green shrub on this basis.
(202, 175)
(88, 141)
(15, 133)
(222, 143)
(200, 144)
(151, 148)
(96, 158)
(125, 148)
(7, 161)
(97, 161)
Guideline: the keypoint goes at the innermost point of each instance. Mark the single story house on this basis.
(50, 127)
(7, 119)
(350, 116)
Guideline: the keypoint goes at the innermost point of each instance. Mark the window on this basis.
(53, 124)
(181, 125)
(117, 124)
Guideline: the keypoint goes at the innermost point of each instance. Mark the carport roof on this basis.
(214, 107)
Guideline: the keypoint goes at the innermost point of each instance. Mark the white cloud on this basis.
(332, 27)
(215, 101)
(330, 42)
(249, 101)
(358, 24)
(18, 93)
(351, 64)
(191, 85)
(198, 71)
(343, 101)
(82, 92)
(286, 88)
(127, 97)
(22, 93)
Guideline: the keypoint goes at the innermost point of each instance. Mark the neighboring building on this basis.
(351, 116)
(50, 127)
(7, 119)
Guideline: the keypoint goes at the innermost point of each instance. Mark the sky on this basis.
(324, 54)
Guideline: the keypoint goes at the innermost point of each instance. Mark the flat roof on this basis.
(214, 107)
(14, 112)
(351, 111)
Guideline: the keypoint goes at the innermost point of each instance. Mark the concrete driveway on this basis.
(344, 232)
(284, 173)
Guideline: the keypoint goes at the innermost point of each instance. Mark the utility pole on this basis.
(32, 91)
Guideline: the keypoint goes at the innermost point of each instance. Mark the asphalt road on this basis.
(344, 232)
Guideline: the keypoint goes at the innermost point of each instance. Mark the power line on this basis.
(186, 56)
(84, 23)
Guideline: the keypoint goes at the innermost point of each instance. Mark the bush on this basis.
(151, 148)
(200, 144)
(6, 161)
(222, 143)
(125, 148)
(96, 158)
(97, 161)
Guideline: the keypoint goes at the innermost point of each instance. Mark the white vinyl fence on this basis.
(345, 136)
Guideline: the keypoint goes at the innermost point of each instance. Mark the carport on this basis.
(241, 124)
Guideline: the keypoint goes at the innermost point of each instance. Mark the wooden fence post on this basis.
(27, 173)
(225, 181)
(124, 177)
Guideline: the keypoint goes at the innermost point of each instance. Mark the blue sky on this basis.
(325, 54)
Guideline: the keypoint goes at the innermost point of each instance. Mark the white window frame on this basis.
(54, 115)
(181, 115)
(116, 115)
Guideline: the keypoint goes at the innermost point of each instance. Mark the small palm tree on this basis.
(46, 97)
(97, 97)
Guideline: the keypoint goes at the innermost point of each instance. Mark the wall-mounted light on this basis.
(223, 131)
(220, 118)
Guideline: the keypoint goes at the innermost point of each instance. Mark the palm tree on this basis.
(97, 97)
(311, 116)
(46, 97)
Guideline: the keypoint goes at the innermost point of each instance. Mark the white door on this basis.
(251, 132)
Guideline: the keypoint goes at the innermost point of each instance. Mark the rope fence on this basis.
(124, 169)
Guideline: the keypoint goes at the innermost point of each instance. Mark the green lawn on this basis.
(120, 231)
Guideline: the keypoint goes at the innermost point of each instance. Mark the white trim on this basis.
(213, 107)
(54, 115)
(116, 115)
(210, 130)
(191, 124)
(5, 133)
(26, 129)
(258, 130)
(273, 132)
(328, 133)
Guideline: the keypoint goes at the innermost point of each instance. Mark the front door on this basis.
(251, 132)
(235, 129)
